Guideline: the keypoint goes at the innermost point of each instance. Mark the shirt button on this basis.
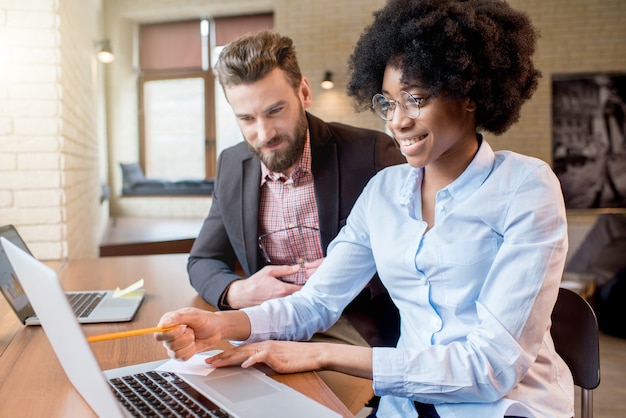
(291, 225)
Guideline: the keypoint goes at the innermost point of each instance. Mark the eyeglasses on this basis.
(410, 104)
(292, 245)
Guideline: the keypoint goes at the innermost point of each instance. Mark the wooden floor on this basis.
(610, 397)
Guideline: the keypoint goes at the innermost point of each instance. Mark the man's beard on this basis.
(280, 161)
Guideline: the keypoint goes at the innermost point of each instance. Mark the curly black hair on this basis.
(479, 49)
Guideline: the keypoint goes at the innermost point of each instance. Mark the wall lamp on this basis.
(104, 52)
(327, 82)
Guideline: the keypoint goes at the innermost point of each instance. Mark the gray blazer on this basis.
(344, 158)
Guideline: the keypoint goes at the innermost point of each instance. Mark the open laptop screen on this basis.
(9, 284)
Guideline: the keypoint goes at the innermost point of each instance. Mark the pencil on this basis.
(124, 334)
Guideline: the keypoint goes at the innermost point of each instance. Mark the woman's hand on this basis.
(294, 357)
(281, 356)
(198, 330)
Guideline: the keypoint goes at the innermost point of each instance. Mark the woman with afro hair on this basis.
(470, 243)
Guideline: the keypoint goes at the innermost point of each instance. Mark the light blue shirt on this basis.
(475, 292)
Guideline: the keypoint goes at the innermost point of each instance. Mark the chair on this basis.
(575, 334)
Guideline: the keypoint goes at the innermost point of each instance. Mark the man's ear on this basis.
(306, 94)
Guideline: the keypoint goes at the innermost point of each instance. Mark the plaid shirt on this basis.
(288, 203)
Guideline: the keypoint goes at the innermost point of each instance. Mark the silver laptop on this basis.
(226, 392)
(90, 306)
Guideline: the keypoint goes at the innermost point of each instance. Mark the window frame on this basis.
(210, 143)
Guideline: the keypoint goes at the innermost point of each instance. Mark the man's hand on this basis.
(261, 286)
(310, 267)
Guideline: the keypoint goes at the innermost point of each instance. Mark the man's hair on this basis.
(251, 57)
(479, 49)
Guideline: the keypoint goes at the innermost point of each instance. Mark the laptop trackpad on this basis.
(241, 387)
(114, 303)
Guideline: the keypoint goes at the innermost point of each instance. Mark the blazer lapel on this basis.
(325, 168)
(250, 205)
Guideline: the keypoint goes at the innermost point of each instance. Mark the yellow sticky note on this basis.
(123, 292)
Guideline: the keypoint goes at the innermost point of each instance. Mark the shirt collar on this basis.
(476, 172)
(303, 165)
(411, 186)
(467, 183)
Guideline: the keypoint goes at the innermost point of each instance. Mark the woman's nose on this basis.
(399, 119)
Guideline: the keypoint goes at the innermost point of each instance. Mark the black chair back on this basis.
(575, 335)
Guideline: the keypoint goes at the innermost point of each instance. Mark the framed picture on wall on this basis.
(588, 139)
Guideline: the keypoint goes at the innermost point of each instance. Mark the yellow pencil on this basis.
(124, 334)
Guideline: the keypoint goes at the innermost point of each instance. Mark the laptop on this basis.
(90, 306)
(232, 392)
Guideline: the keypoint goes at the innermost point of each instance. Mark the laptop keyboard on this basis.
(163, 394)
(84, 303)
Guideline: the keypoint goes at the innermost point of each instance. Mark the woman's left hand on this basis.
(281, 356)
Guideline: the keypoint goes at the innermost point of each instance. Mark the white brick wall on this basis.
(49, 182)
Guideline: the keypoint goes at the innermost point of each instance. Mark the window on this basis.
(177, 94)
(176, 100)
(175, 121)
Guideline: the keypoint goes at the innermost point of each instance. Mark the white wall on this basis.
(49, 166)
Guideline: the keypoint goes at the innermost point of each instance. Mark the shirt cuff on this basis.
(223, 303)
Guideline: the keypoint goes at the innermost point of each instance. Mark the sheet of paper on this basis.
(194, 365)
(123, 292)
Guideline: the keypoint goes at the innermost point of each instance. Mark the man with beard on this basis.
(283, 194)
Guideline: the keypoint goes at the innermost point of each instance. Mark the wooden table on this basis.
(32, 382)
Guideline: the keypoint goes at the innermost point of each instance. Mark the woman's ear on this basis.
(470, 105)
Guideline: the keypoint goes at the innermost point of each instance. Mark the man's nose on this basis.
(265, 130)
